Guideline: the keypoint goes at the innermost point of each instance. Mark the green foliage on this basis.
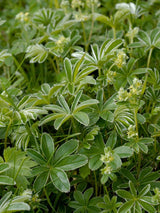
(79, 106)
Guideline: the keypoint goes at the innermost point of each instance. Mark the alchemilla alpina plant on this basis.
(79, 106)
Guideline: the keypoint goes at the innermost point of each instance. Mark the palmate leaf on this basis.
(41, 181)
(122, 118)
(37, 53)
(126, 207)
(82, 118)
(72, 162)
(64, 113)
(20, 166)
(66, 149)
(59, 179)
(47, 145)
(8, 204)
(99, 58)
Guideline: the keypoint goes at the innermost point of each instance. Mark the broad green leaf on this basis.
(87, 194)
(3, 167)
(85, 104)
(145, 190)
(132, 188)
(85, 72)
(60, 180)
(82, 118)
(54, 107)
(126, 173)
(19, 206)
(120, 15)
(102, 18)
(47, 145)
(104, 178)
(37, 53)
(59, 121)
(145, 140)
(72, 162)
(77, 66)
(144, 38)
(126, 207)
(50, 118)
(78, 196)
(146, 206)
(116, 163)
(124, 194)
(123, 151)
(36, 156)
(23, 102)
(139, 71)
(66, 149)
(5, 198)
(143, 147)
(112, 139)
(112, 45)
(76, 100)
(95, 162)
(41, 181)
(63, 104)
(68, 69)
(5, 180)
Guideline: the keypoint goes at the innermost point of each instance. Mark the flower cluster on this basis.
(106, 159)
(120, 59)
(132, 131)
(110, 77)
(134, 90)
(60, 44)
(77, 4)
(131, 7)
(22, 17)
(132, 33)
(156, 197)
(95, 3)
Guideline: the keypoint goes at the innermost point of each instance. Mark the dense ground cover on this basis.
(79, 106)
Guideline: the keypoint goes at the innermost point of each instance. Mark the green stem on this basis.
(19, 169)
(146, 76)
(56, 3)
(135, 119)
(6, 134)
(99, 71)
(92, 25)
(96, 186)
(48, 200)
(114, 32)
(84, 35)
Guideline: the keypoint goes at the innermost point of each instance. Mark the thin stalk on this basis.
(135, 119)
(6, 134)
(146, 76)
(114, 32)
(48, 200)
(19, 169)
(105, 189)
(96, 185)
(30, 133)
(84, 35)
(92, 26)
(99, 71)
(56, 200)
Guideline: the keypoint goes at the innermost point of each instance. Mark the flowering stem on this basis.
(96, 187)
(146, 76)
(84, 35)
(114, 32)
(135, 119)
(92, 25)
